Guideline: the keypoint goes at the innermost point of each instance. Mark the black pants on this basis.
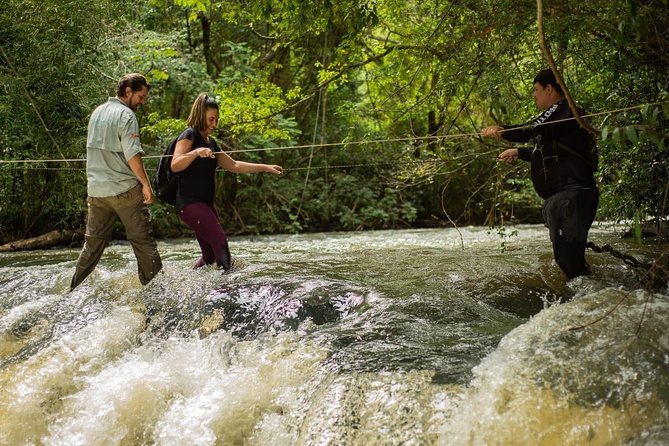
(569, 215)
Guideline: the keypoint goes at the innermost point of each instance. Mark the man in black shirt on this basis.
(561, 169)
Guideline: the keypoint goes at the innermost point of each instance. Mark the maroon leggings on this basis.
(203, 220)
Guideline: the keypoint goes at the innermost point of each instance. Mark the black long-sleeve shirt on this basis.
(558, 158)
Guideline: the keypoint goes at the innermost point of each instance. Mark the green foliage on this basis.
(352, 204)
(51, 75)
(635, 171)
(421, 77)
(248, 107)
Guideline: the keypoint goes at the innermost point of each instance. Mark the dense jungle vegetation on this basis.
(372, 106)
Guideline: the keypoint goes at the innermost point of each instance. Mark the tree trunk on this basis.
(48, 240)
(213, 68)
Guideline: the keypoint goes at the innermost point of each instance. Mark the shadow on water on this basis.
(364, 329)
(251, 308)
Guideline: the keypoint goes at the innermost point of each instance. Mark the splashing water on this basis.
(376, 338)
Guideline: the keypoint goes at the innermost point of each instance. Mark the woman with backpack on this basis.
(196, 157)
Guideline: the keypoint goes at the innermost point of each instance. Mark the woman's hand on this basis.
(204, 152)
(276, 170)
(273, 168)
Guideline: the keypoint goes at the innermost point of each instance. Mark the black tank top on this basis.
(197, 183)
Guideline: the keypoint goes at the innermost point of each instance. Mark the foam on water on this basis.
(383, 338)
(548, 384)
(199, 391)
(34, 391)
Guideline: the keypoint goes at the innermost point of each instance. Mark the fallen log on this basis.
(48, 240)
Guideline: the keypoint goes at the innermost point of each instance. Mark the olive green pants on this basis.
(134, 214)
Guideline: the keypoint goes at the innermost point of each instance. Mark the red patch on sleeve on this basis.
(135, 135)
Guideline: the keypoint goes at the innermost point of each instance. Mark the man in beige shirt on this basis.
(117, 183)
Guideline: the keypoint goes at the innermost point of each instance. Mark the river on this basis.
(414, 337)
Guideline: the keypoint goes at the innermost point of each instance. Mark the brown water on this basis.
(372, 338)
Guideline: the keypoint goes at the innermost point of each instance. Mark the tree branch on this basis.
(261, 36)
(558, 76)
(323, 84)
(32, 103)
